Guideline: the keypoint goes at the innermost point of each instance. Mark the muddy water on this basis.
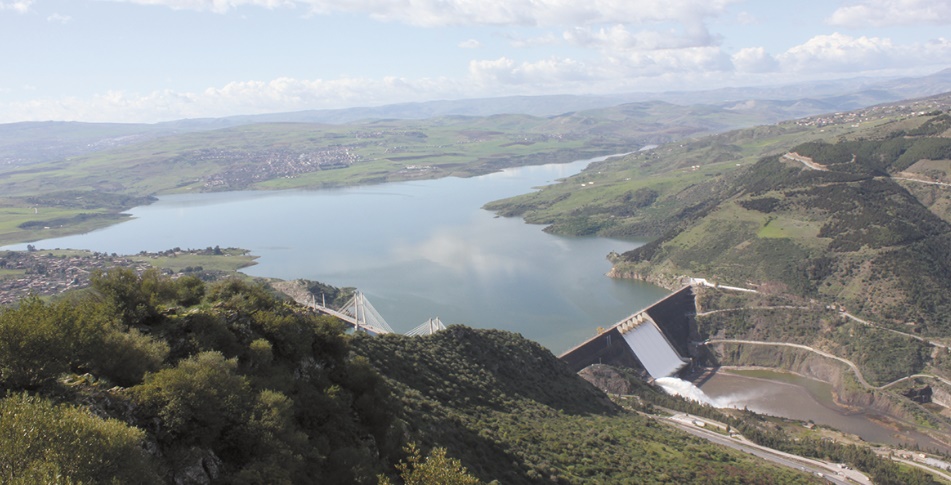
(796, 397)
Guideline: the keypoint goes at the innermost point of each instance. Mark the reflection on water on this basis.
(417, 250)
(810, 401)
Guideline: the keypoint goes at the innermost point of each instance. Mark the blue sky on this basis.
(156, 60)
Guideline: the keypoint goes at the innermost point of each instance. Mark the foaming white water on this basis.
(682, 388)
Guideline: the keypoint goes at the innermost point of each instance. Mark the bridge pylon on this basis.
(428, 327)
(365, 317)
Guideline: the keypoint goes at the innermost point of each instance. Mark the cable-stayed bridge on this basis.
(360, 314)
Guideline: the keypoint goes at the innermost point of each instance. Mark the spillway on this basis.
(653, 342)
(653, 350)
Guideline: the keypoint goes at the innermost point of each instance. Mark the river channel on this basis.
(796, 397)
(416, 249)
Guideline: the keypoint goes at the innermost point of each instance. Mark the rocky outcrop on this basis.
(621, 271)
(920, 395)
(197, 467)
(607, 378)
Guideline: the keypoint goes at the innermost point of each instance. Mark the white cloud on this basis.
(553, 71)
(632, 70)
(246, 97)
(619, 38)
(217, 6)
(470, 44)
(842, 53)
(483, 12)
(746, 18)
(59, 19)
(541, 40)
(754, 60)
(880, 13)
(19, 6)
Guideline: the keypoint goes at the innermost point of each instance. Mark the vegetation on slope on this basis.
(224, 381)
(512, 412)
(868, 230)
(112, 177)
(153, 380)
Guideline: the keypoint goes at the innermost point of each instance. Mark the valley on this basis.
(832, 225)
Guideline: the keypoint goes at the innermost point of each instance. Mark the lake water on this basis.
(416, 249)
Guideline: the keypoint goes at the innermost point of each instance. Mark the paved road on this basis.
(828, 471)
(806, 161)
(777, 307)
(855, 369)
(870, 324)
(943, 184)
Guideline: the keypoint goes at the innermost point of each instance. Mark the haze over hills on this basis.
(30, 142)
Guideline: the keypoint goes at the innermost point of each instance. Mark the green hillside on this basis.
(86, 191)
(867, 227)
(851, 233)
(150, 380)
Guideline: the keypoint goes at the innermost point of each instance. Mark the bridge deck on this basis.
(347, 318)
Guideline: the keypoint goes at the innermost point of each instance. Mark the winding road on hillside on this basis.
(805, 161)
(809, 163)
(870, 324)
(855, 368)
(777, 307)
(928, 182)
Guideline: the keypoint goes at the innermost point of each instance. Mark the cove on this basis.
(416, 249)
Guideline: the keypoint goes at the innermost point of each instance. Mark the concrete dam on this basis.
(653, 341)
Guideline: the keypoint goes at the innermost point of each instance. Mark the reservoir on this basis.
(417, 250)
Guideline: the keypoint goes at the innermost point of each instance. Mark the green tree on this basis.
(189, 290)
(125, 357)
(199, 399)
(435, 469)
(45, 443)
(33, 347)
(123, 289)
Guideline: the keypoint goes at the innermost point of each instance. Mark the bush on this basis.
(198, 399)
(33, 347)
(45, 443)
(127, 356)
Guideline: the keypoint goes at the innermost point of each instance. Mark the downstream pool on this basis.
(796, 397)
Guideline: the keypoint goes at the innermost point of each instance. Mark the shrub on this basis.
(45, 443)
(198, 399)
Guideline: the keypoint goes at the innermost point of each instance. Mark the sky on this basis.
(159, 60)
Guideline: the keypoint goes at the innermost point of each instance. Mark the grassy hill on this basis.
(847, 211)
(867, 226)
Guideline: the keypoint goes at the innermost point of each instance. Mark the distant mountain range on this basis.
(801, 99)
(32, 142)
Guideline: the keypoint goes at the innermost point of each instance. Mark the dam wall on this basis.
(674, 316)
(606, 348)
(664, 345)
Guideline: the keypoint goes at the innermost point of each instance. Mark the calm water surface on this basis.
(416, 249)
(795, 397)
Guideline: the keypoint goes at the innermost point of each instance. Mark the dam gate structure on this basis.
(654, 341)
